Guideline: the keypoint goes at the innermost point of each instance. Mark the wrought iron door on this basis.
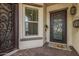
(7, 31)
(58, 26)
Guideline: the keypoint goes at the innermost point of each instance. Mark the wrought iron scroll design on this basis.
(6, 26)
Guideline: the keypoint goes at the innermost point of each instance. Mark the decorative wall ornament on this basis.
(73, 10)
(76, 23)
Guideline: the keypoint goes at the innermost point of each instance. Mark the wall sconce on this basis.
(73, 9)
(46, 27)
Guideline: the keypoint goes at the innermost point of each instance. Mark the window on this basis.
(31, 21)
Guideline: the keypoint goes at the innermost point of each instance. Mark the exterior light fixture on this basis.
(73, 10)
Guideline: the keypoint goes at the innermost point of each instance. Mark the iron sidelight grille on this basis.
(7, 22)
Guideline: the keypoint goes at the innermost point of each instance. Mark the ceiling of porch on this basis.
(40, 4)
(49, 4)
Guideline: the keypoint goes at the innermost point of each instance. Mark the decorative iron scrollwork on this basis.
(6, 26)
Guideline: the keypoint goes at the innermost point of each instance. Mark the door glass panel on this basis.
(58, 26)
(57, 29)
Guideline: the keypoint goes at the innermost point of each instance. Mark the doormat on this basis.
(59, 46)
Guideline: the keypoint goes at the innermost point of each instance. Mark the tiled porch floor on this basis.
(44, 51)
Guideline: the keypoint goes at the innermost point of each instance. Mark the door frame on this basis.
(17, 26)
(65, 9)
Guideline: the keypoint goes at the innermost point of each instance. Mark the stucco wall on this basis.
(31, 43)
(75, 32)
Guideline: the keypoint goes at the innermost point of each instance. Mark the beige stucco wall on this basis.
(75, 37)
(72, 33)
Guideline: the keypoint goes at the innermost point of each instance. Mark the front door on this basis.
(7, 27)
(58, 29)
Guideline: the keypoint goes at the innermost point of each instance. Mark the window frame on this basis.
(31, 21)
(28, 6)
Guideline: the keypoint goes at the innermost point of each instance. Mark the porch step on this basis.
(59, 46)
